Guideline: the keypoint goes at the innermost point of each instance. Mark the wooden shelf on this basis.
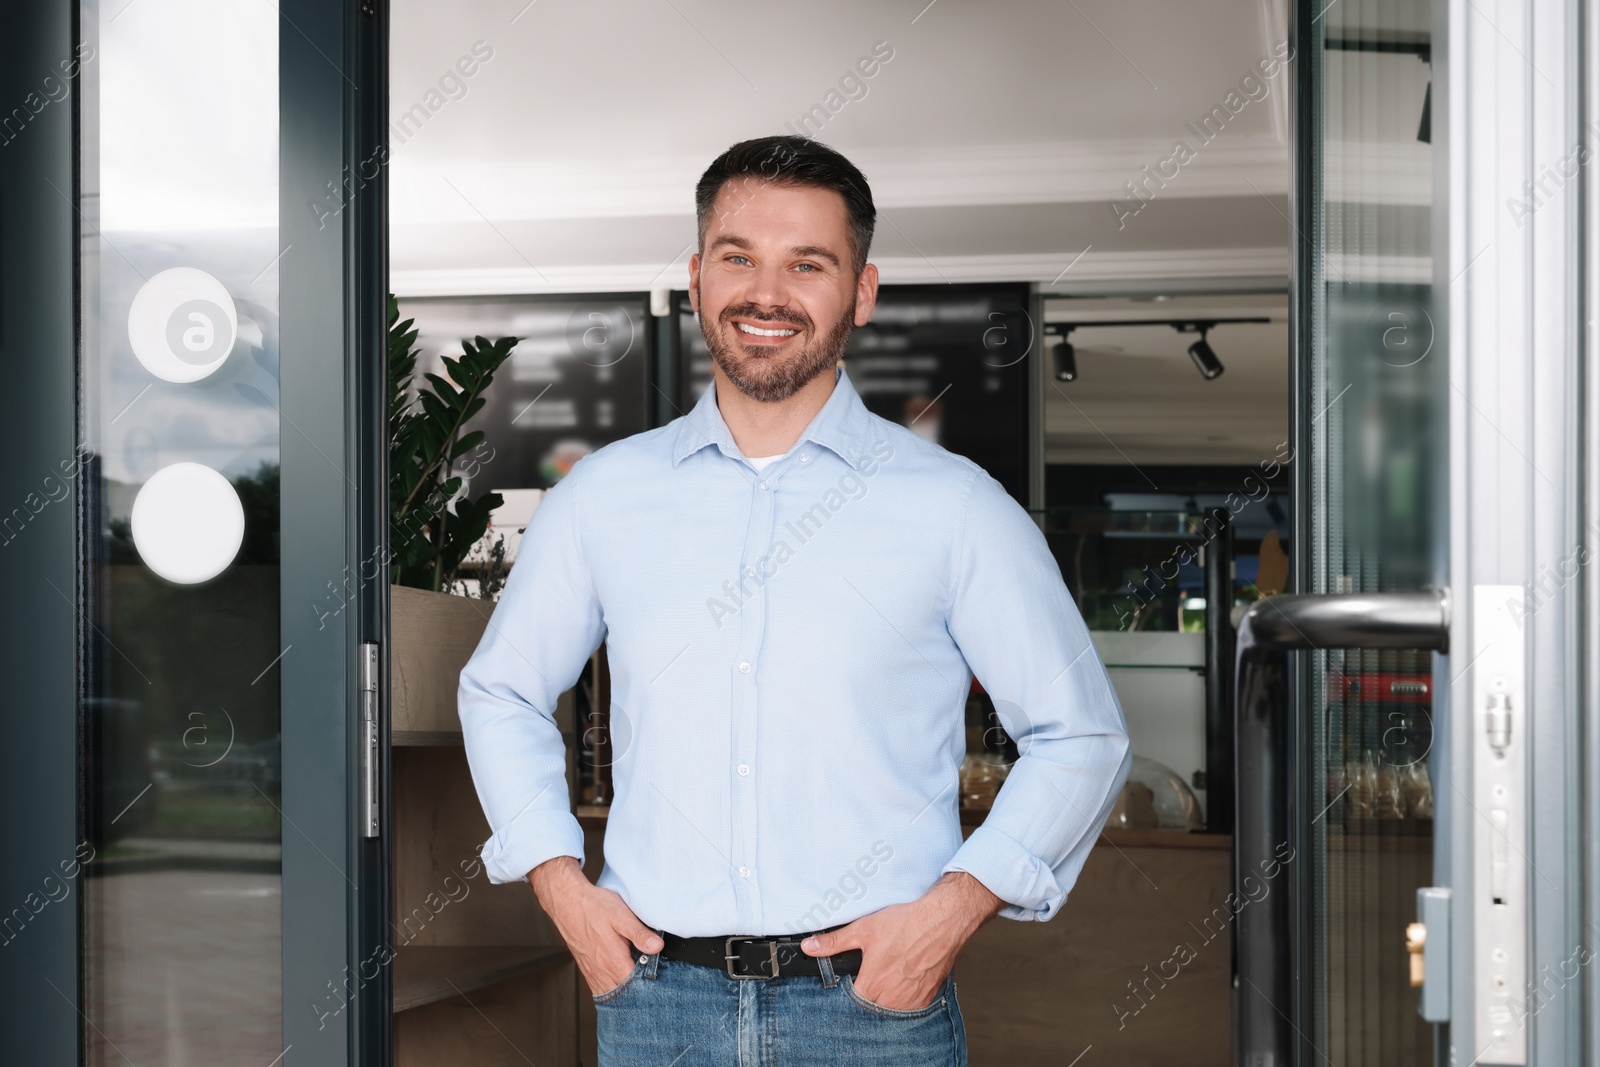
(431, 738)
(424, 974)
(480, 974)
(1164, 839)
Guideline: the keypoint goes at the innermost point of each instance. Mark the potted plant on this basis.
(434, 524)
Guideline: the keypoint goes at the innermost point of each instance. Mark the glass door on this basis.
(1410, 854)
(181, 429)
(1338, 764)
(1373, 400)
(230, 579)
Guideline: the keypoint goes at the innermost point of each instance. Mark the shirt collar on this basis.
(842, 426)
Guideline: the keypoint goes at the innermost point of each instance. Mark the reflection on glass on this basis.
(180, 721)
(1377, 408)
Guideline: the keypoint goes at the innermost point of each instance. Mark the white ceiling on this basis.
(1140, 400)
(996, 137)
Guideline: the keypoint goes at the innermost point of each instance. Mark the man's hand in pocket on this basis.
(596, 924)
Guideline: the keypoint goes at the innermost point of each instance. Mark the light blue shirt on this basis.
(791, 653)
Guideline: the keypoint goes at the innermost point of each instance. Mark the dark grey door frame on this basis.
(333, 99)
(39, 993)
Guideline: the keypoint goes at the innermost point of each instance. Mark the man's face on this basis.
(776, 286)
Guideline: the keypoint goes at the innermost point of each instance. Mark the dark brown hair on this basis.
(790, 160)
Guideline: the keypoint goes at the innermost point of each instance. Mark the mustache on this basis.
(799, 320)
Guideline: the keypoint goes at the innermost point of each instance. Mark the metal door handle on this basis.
(1266, 837)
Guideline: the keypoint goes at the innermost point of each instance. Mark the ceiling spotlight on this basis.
(1066, 361)
(1210, 366)
(1065, 357)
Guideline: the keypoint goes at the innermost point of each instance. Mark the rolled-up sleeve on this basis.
(1023, 637)
(543, 630)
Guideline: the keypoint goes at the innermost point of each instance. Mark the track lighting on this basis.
(1066, 360)
(1066, 357)
(1204, 358)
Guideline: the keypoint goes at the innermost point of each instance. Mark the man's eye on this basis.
(737, 259)
(808, 267)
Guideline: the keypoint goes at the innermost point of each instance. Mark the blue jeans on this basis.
(668, 1013)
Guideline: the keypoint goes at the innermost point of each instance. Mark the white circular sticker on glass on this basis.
(182, 324)
(187, 523)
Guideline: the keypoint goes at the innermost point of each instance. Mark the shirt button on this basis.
(744, 668)
(744, 768)
(805, 457)
(750, 572)
(763, 485)
(744, 872)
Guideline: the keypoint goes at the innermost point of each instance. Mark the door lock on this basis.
(1416, 940)
(1498, 811)
(1499, 718)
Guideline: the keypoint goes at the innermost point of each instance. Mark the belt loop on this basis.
(825, 965)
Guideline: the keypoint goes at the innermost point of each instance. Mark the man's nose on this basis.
(768, 288)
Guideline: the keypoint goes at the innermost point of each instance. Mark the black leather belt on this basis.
(755, 957)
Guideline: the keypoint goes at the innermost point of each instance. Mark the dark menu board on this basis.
(575, 381)
(949, 361)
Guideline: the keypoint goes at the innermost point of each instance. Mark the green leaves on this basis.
(432, 525)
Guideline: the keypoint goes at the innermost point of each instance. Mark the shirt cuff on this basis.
(1026, 884)
(531, 838)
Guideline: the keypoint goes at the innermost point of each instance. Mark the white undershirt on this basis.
(761, 463)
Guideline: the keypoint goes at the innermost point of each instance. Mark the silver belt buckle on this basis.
(729, 956)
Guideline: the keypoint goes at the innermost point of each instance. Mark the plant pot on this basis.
(433, 635)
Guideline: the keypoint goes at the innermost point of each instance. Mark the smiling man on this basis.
(795, 596)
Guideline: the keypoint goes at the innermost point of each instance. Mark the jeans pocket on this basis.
(617, 990)
(862, 1002)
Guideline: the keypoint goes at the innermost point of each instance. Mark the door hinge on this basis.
(368, 733)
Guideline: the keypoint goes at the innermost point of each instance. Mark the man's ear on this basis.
(866, 294)
(694, 282)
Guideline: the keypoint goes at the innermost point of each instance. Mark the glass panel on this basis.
(1376, 407)
(180, 435)
(1143, 571)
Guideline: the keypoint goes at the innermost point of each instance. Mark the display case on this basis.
(1143, 570)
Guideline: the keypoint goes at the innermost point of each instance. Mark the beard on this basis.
(763, 374)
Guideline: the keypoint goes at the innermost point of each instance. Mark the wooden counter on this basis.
(1131, 967)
